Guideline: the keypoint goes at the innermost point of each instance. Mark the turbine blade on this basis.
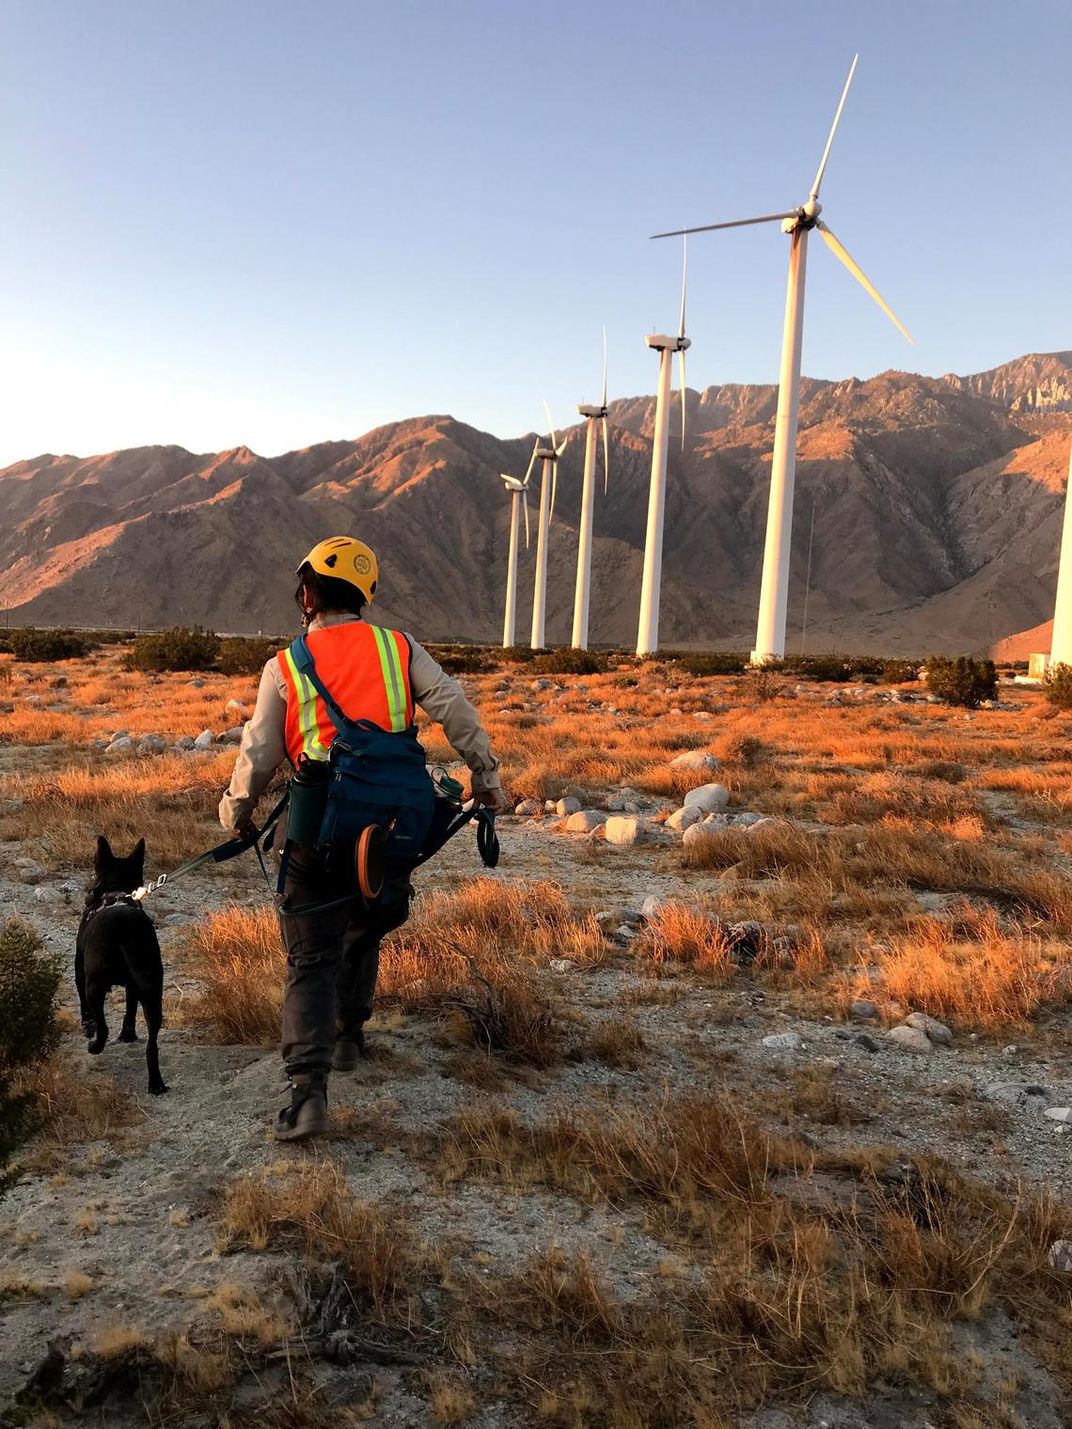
(532, 462)
(554, 492)
(551, 424)
(525, 507)
(833, 130)
(684, 281)
(733, 223)
(606, 457)
(681, 375)
(838, 249)
(561, 447)
(604, 402)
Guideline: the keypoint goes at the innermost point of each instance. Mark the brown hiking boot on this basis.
(307, 1114)
(349, 1050)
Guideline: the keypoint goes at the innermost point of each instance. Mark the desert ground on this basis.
(759, 1123)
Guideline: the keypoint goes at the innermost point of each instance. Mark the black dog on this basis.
(117, 947)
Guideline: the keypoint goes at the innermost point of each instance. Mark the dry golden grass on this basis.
(237, 956)
(71, 1109)
(311, 1208)
(971, 973)
(687, 934)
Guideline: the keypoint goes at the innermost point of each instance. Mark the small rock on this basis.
(567, 806)
(867, 1042)
(624, 933)
(622, 830)
(152, 744)
(584, 821)
(237, 707)
(562, 965)
(937, 1031)
(46, 893)
(651, 906)
(1030, 1094)
(31, 873)
(232, 736)
(185, 742)
(122, 745)
(784, 1042)
(196, 684)
(695, 834)
(864, 1010)
(682, 819)
(711, 798)
(1055, 1113)
(694, 759)
(205, 740)
(528, 808)
(1060, 1256)
(912, 1039)
(745, 821)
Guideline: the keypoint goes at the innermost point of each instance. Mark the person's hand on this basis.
(497, 800)
(245, 828)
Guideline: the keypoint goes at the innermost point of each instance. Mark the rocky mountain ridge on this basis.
(937, 505)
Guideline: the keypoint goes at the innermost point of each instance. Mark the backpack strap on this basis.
(303, 659)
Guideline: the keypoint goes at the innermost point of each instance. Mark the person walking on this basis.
(374, 675)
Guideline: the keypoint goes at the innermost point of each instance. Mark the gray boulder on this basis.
(937, 1031)
(205, 740)
(528, 808)
(622, 830)
(152, 744)
(711, 798)
(684, 818)
(567, 806)
(584, 821)
(122, 745)
(784, 1042)
(694, 759)
(910, 1039)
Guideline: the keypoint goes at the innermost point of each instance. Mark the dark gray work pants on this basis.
(333, 957)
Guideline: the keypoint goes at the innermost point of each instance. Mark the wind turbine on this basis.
(797, 223)
(1061, 640)
(518, 487)
(648, 630)
(592, 416)
(548, 455)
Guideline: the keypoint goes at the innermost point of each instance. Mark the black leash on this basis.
(229, 849)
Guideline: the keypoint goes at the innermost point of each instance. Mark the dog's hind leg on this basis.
(127, 1032)
(80, 986)
(96, 996)
(154, 1017)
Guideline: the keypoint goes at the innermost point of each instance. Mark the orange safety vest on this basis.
(366, 670)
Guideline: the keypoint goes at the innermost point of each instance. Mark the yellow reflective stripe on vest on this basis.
(393, 679)
(312, 745)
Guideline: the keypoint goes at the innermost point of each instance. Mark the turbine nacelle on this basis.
(661, 341)
(587, 411)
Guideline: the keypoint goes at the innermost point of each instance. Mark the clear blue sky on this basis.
(277, 222)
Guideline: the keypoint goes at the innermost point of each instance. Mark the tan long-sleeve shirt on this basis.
(263, 749)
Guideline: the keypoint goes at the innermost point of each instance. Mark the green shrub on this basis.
(517, 654)
(570, 662)
(465, 659)
(40, 646)
(245, 654)
(1059, 686)
(833, 668)
(29, 981)
(713, 663)
(899, 672)
(179, 648)
(963, 681)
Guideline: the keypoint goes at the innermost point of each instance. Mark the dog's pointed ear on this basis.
(139, 852)
(104, 853)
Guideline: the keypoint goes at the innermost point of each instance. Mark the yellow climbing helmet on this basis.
(344, 558)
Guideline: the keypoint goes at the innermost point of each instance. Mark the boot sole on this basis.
(311, 1126)
(342, 1063)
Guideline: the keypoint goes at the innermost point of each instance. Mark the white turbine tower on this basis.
(592, 416)
(797, 223)
(648, 630)
(518, 487)
(548, 455)
(1061, 640)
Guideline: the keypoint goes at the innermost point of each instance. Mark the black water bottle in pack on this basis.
(308, 800)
